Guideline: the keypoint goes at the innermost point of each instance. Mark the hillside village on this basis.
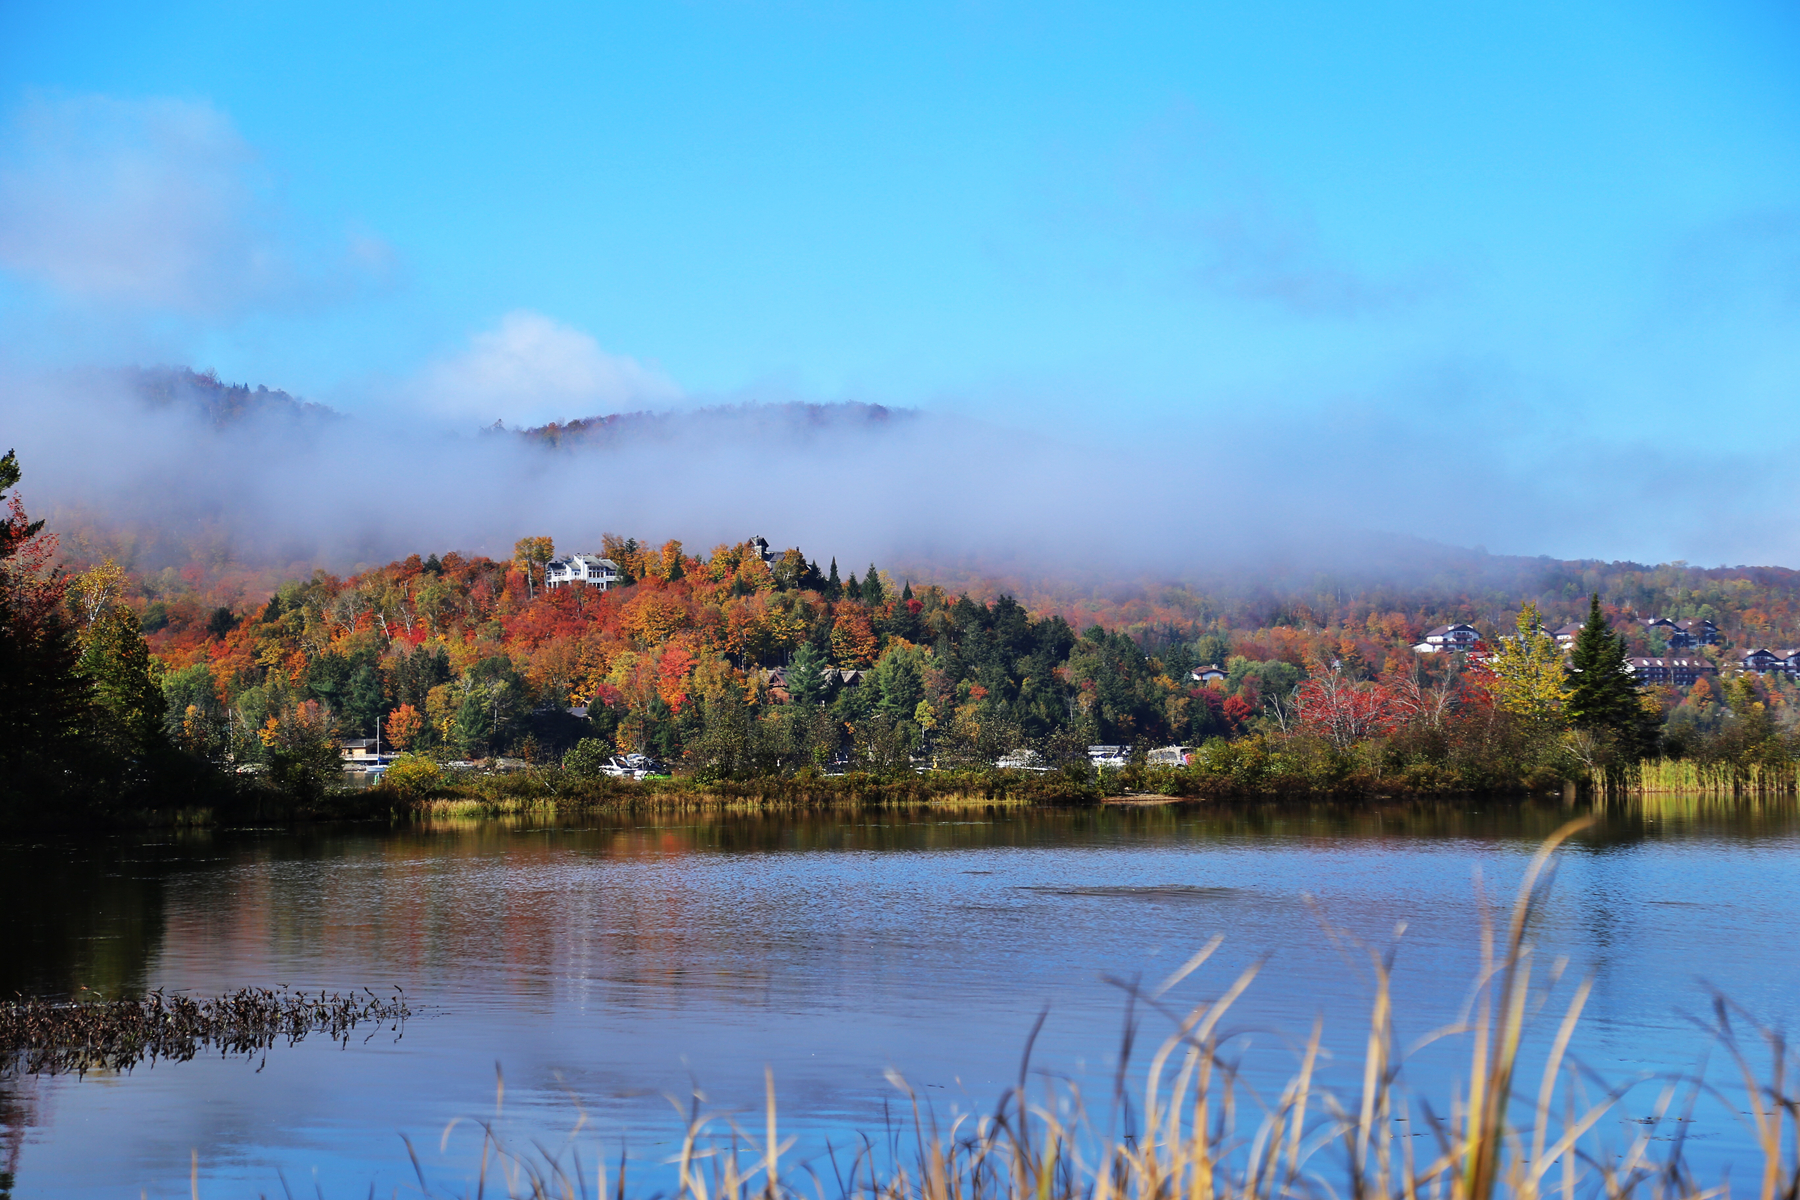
(1691, 649)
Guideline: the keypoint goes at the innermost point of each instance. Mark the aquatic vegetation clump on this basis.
(46, 1037)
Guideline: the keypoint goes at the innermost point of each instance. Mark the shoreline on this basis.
(550, 791)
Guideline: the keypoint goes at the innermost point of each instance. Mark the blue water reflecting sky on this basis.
(614, 965)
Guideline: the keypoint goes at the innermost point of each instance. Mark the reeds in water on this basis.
(1738, 779)
(43, 1037)
(1197, 1131)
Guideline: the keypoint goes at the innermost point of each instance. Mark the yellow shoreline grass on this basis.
(1745, 779)
(1205, 1135)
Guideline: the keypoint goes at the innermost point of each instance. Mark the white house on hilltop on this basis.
(586, 569)
(1448, 639)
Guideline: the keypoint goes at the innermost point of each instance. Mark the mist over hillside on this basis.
(192, 393)
(169, 460)
(171, 467)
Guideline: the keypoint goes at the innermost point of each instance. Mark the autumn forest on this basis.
(740, 662)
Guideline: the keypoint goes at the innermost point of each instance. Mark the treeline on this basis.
(82, 709)
(120, 690)
(724, 665)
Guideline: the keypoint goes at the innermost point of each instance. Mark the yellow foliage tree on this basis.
(94, 591)
(531, 553)
(1530, 678)
(653, 617)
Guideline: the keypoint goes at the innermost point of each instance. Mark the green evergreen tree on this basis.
(474, 723)
(1602, 693)
(871, 589)
(834, 587)
(806, 676)
(853, 589)
(42, 700)
(363, 700)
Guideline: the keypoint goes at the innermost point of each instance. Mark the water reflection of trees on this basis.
(19, 1111)
(1530, 820)
(95, 916)
(80, 916)
(72, 916)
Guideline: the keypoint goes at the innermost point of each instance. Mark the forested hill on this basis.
(750, 422)
(1750, 604)
(199, 564)
(222, 404)
(695, 625)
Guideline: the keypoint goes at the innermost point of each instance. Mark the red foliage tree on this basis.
(1344, 712)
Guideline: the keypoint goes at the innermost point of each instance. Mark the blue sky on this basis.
(1571, 233)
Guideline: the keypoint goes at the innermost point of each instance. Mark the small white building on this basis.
(1109, 756)
(586, 569)
(1211, 673)
(1449, 639)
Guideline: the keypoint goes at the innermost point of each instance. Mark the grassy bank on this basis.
(1251, 772)
(552, 790)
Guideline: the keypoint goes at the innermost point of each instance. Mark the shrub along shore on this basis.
(1249, 773)
(1250, 780)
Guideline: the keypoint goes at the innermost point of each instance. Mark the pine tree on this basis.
(42, 701)
(806, 676)
(853, 589)
(871, 588)
(1602, 693)
(834, 587)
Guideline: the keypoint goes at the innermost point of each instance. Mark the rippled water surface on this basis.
(608, 964)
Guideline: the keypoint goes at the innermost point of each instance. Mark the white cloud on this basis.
(531, 370)
(157, 205)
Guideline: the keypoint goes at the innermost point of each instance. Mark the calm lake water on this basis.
(607, 964)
